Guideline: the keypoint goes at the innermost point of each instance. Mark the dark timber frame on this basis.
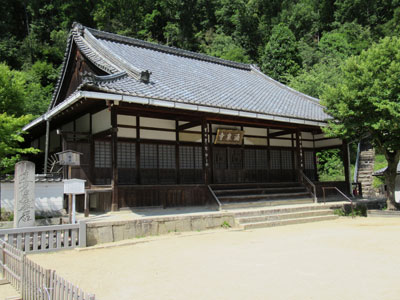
(134, 184)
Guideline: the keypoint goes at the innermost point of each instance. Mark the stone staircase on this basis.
(237, 196)
(366, 168)
(285, 215)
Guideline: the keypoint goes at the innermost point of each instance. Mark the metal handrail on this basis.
(335, 188)
(312, 190)
(215, 197)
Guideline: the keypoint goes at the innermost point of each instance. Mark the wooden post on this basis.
(86, 203)
(46, 149)
(298, 153)
(210, 154)
(177, 163)
(114, 147)
(3, 246)
(138, 179)
(204, 146)
(69, 197)
(346, 164)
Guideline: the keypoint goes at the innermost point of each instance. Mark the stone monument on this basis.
(24, 194)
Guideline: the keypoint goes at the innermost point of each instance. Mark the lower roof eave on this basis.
(168, 104)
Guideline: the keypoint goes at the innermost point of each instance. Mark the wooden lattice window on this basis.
(220, 156)
(148, 156)
(102, 154)
(250, 159)
(262, 159)
(275, 159)
(287, 159)
(190, 157)
(166, 156)
(309, 160)
(235, 158)
(126, 155)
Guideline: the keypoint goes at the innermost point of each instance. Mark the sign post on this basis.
(74, 187)
(70, 158)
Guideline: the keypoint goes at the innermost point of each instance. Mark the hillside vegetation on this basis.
(301, 43)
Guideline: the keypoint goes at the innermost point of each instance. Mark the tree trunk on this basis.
(390, 178)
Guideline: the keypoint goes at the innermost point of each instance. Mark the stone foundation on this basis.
(113, 231)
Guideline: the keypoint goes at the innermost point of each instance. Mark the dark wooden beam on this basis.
(114, 148)
(188, 125)
(280, 133)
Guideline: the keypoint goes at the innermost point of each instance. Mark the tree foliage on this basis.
(10, 141)
(367, 102)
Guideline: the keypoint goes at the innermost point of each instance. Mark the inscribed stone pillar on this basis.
(24, 194)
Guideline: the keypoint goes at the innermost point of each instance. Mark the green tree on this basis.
(280, 57)
(12, 90)
(10, 141)
(367, 102)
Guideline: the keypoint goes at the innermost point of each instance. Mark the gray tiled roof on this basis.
(188, 77)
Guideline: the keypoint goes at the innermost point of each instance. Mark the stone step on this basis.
(230, 186)
(267, 203)
(285, 216)
(263, 197)
(288, 222)
(259, 191)
(283, 209)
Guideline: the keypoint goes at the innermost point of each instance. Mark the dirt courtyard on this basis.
(342, 259)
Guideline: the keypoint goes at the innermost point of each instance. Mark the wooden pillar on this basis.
(210, 154)
(205, 151)
(138, 177)
(114, 146)
(346, 164)
(177, 162)
(46, 147)
(298, 153)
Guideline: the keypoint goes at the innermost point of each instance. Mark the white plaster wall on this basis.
(328, 143)
(255, 131)
(126, 120)
(68, 127)
(255, 141)
(127, 132)
(307, 144)
(159, 123)
(48, 196)
(157, 135)
(54, 140)
(280, 143)
(101, 121)
(82, 124)
(189, 137)
(307, 135)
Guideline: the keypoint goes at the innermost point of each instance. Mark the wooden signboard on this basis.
(229, 137)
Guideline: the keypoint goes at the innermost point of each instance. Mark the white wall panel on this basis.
(255, 141)
(82, 124)
(159, 123)
(157, 135)
(127, 132)
(101, 121)
(280, 143)
(48, 196)
(189, 137)
(126, 120)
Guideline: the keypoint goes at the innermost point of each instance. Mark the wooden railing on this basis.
(340, 192)
(46, 238)
(34, 282)
(310, 186)
(215, 197)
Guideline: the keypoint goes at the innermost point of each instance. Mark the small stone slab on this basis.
(24, 194)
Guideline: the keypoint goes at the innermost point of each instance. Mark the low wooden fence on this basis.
(46, 238)
(33, 281)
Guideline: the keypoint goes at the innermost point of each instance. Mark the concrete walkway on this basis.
(342, 259)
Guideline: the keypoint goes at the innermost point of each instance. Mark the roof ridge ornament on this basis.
(118, 61)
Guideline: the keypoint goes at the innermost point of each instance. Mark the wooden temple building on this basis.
(161, 126)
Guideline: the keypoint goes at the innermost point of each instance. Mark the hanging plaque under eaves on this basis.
(229, 137)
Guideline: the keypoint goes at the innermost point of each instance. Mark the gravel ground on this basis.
(342, 259)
